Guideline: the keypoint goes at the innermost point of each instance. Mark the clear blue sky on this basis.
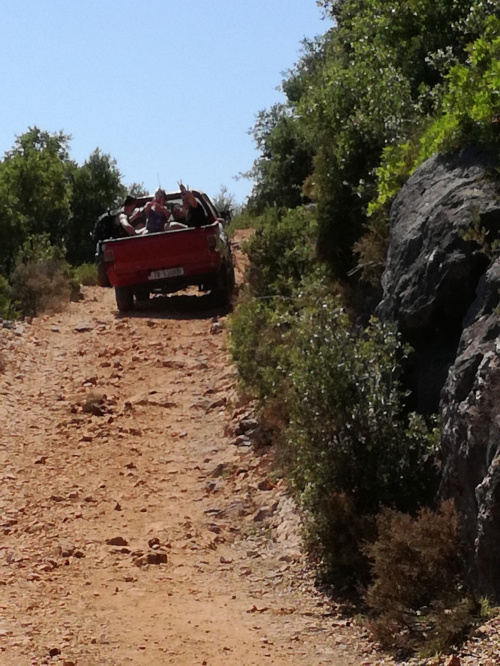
(168, 88)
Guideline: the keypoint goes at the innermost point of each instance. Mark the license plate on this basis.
(166, 273)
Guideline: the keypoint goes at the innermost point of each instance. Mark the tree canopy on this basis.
(45, 193)
(376, 80)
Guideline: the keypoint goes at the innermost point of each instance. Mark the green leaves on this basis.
(333, 394)
(388, 85)
(43, 192)
(35, 179)
(373, 82)
(96, 186)
(282, 252)
(285, 163)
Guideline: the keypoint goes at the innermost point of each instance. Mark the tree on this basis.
(381, 78)
(137, 190)
(35, 191)
(286, 160)
(12, 229)
(97, 185)
(370, 83)
(225, 203)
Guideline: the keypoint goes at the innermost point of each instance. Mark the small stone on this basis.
(265, 512)
(241, 440)
(453, 661)
(218, 470)
(210, 486)
(265, 485)
(214, 528)
(83, 327)
(156, 558)
(245, 425)
(117, 541)
(67, 551)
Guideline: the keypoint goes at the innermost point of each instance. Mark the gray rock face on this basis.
(444, 291)
(428, 259)
(470, 414)
(432, 272)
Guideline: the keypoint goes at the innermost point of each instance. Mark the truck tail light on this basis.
(109, 256)
(212, 243)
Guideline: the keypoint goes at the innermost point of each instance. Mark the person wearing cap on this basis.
(125, 215)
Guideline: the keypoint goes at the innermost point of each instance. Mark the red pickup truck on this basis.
(167, 261)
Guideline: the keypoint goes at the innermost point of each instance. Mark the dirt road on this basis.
(137, 525)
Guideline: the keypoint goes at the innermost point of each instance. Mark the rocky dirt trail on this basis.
(137, 524)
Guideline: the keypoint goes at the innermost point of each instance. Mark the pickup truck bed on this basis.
(168, 261)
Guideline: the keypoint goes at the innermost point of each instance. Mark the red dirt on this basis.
(134, 529)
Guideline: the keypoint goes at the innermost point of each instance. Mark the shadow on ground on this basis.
(178, 306)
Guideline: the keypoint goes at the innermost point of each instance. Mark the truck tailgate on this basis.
(142, 259)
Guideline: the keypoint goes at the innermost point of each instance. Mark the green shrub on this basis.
(371, 249)
(263, 336)
(334, 534)
(282, 252)
(85, 274)
(417, 590)
(243, 220)
(348, 431)
(40, 279)
(258, 344)
(8, 309)
(471, 105)
(468, 113)
(333, 393)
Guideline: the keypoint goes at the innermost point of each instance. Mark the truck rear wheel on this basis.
(124, 298)
(141, 295)
(102, 276)
(224, 289)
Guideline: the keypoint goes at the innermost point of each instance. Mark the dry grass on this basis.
(42, 287)
(418, 593)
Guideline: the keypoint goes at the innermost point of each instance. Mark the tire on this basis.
(223, 292)
(102, 276)
(141, 295)
(232, 279)
(124, 299)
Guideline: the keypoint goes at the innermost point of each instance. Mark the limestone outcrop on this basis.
(442, 287)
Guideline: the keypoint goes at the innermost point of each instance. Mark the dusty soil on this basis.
(137, 525)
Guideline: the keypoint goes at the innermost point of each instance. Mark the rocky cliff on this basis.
(443, 289)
